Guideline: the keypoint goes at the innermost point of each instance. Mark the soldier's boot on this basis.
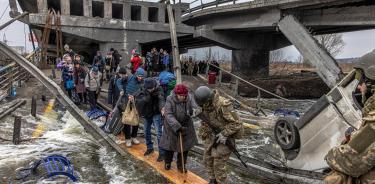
(212, 181)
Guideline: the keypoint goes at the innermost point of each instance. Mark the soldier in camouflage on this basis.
(354, 162)
(224, 126)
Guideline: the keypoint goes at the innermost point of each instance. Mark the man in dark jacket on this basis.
(117, 59)
(150, 105)
(113, 90)
(178, 123)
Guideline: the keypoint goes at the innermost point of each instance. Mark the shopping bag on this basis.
(130, 115)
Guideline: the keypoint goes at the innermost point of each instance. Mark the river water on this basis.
(61, 134)
(65, 136)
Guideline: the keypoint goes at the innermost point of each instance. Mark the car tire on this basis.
(286, 133)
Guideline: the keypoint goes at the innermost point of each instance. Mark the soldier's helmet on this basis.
(203, 94)
(367, 64)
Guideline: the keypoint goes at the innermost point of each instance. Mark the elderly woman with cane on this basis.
(179, 133)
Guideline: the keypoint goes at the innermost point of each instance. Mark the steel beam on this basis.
(101, 137)
(326, 65)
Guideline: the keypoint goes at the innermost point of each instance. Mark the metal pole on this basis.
(236, 87)
(17, 130)
(33, 106)
(176, 54)
(12, 20)
(220, 77)
(32, 38)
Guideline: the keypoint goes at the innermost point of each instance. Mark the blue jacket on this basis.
(133, 85)
(166, 59)
(165, 77)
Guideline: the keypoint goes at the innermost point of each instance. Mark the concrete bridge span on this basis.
(90, 25)
(252, 29)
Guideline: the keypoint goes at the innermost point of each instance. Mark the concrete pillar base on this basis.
(253, 59)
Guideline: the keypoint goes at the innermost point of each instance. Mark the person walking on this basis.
(79, 74)
(165, 79)
(224, 126)
(150, 104)
(92, 84)
(117, 58)
(113, 89)
(67, 79)
(135, 61)
(178, 111)
(127, 90)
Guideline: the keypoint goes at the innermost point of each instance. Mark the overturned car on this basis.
(306, 141)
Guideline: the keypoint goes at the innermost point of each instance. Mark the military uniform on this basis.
(225, 121)
(355, 161)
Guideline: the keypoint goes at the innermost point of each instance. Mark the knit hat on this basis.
(149, 83)
(95, 69)
(181, 89)
(140, 72)
(122, 70)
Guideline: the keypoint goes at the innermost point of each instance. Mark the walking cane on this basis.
(182, 156)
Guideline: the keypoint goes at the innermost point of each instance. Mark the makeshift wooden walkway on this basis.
(172, 175)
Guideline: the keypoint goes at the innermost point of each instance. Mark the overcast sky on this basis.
(356, 43)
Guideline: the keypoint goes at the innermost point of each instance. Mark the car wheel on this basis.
(286, 134)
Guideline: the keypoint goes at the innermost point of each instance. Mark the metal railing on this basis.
(9, 75)
(239, 79)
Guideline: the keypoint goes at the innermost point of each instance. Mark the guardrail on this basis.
(9, 75)
(238, 79)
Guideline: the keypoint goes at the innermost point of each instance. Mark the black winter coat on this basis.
(149, 104)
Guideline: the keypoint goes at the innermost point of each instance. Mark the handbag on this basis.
(69, 84)
(130, 115)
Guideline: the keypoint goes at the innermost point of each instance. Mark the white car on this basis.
(305, 141)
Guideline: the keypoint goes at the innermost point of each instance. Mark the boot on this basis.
(167, 166)
(148, 152)
(160, 158)
(212, 181)
(179, 168)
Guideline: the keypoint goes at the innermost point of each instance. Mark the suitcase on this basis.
(114, 124)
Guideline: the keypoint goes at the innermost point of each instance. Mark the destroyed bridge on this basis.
(250, 29)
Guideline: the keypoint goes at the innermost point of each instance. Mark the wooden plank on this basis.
(172, 175)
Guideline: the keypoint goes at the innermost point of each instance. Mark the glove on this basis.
(122, 93)
(196, 112)
(221, 139)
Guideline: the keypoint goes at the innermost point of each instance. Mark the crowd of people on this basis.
(150, 85)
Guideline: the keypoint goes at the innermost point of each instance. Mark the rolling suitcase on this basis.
(114, 124)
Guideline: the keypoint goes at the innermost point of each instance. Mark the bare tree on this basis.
(208, 54)
(277, 56)
(332, 42)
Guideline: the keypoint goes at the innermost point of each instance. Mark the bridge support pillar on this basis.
(87, 8)
(253, 58)
(327, 67)
(65, 7)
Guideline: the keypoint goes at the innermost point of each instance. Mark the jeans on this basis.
(156, 120)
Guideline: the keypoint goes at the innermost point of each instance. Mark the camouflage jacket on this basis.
(369, 106)
(223, 118)
(350, 160)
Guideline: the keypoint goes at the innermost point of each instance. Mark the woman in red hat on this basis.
(178, 111)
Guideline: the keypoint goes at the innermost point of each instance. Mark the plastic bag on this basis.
(130, 115)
